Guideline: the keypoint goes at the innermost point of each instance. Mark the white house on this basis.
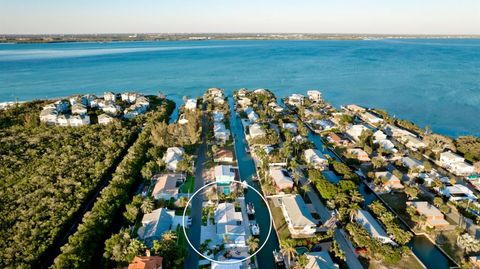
(314, 95)
(129, 97)
(62, 105)
(79, 120)
(229, 225)
(221, 132)
(371, 118)
(224, 174)
(456, 164)
(154, 224)
(63, 120)
(320, 260)
(354, 131)
(105, 119)
(49, 116)
(244, 102)
(172, 157)
(276, 107)
(166, 186)
(290, 126)
(191, 104)
(358, 154)
(411, 163)
(315, 158)
(79, 109)
(218, 116)
(372, 226)
(111, 108)
(354, 108)
(412, 142)
(256, 130)
(458, 192)
(295, 99)
(219, 100)
(109, 96)
(392, 181)
(214, 92)
(281, 178)
(252, 116)
(394, 131)
(297, 216)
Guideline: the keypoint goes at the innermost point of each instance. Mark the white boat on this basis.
(250, 208)
(255, 229)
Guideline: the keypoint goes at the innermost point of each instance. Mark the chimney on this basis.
(147, 252)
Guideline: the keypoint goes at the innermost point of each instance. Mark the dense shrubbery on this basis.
(391, 223)
(46, 173)
(88, 239)
(469, 146)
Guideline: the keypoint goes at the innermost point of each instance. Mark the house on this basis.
(358, 154)
(251, 115)
(365, 219)
(297, 216)
(63, 120)
(412, 142)
(458, 192)
(146, 262)
(218, 116)
(78, 99)
(325, 124)
(392, 182)
(386, 144)
(79, 109)
(191, 104)
(338, 140)
(371, 118)
(182, 119)
(435, 218)
(394, 131)
(142, 101)
(295, 99)
(129, 97)
(105, 119)
(172, 157)
(229, 226)
(320, 260)
(314, 95)
(354, 108)
(49, 116)
(79, 120)
(456, 164)
(62, 106)
(109, 96)
(256, 130)
(276, 107)
(411, 163)
(221, 133)
(230, 265)
(244, 102)
(219, 100)
(355, 131)
(315, 158)
(242, 92)
(224, 176)
(223, 155)
(166, 186)
(214, 92)
(379, 136)
(260, 91)
(154, 224)
(291, 127)
(111, 108)
(281, 178)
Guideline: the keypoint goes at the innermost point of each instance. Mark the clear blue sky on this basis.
(315, 16)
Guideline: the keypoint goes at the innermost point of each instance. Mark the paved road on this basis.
(196, 204)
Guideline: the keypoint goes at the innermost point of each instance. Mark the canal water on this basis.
(423, 248)
(247, 169)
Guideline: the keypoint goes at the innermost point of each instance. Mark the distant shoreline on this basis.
(69, 38)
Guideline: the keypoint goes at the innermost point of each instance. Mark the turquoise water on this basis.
(435, 82)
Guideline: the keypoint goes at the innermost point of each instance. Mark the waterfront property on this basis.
(300, 222)
(315, 158)
(224, 175)
(172, 157)
(365, 219)
(434, 217)
(229, 225)
(320, 260)
(281, 178)
(456, 164)
(166, 186)
(154, 224)
(389, 181)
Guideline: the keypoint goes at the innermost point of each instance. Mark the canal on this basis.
(247, 169)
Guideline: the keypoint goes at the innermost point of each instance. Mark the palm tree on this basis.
(301, 262)
(147, 206)
(356, 196)
(252, 244)
(169, 236)
(305, 188)
(352, 210)
(288, 249)
(341, 199)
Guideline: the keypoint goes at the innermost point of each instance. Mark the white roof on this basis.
(320, 260)
(280, 176)
(256, 130)
(451, 156)
(297, 211)
(411, 163)
(425, 208)
(370, 224)
(314, 156)
(356, 130)
(224, 173)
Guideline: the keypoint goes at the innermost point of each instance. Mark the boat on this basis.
(244, 184)
(255, 229)
(250, 208)
(278, 257)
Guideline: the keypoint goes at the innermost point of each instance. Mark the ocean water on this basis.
(432, 82)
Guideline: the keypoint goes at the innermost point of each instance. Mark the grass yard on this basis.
(189, 185)
(397, 201)
(279, 221)
(407, 262)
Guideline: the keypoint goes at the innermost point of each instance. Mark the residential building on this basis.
(412, 142)
(355, 131)
(172, 157)
(224, 176)
(191, 104)
(49, 116)
(111, 108)
(166, 186)
(291, 127)
(435, 218)
(320, 260)
(218, 116)
(230, 228)
(221, 133)
(456, 164)
(182, 119)
(146, 262)
(397, 132)
(244, 102)
(214, 92)
(62, 106)
(129, 97)
(109, 96)
(392, 182)
(411, 163)
(219, 100)
(256, 130)
(315, 158)
(251, 115)
(458, 192)
(105, 119)
(297, 216)
(223, 155)
(314, 95)
(365, 219)
(354, 108)
(295, 99)
(358, 154)
(281, 178)
(338, 140)
(154, 224)
(63, 120)
(79, 120)
(79, 109)
(276, 107)
(371, 118)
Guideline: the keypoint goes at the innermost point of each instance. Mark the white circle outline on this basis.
(227, 262)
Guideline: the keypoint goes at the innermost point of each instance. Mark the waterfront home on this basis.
(256, 130)
(79, 109)
(229, 265)
(295, 99)
(191, 104)
(338, 140)
(371, 118)
(315, 158)
(78, 99)
(63, 120)
(365, 219)
(412, 164)
(251, 115)
(111, 108)
(79, 120)
(297, 216)
(218, 116)
(172, 157)
(134, 111)
(244, 102)
(455, 164)
(457, 192)
(105, 119)
(129, 97)
(412, 142)
(261, 91)
(242, 92)
(320, 260)
(391, 182)
(221, 133)
(359, 154)
(218, 100)
(379, 136)
(223, 155)
(355, 131)
(291, 127)
(110, 96)
(435, 218)
(146, 262)
(224, 176)
(166, 186)
(229, 225)
(386, 145)
(142, 101)
(276, 107)
(154, 224)
(281, 178)
(354, 108)
(325, 124)
(214, 92)
(397, 132)
(62, 105)
(49, 116)
(314, 95)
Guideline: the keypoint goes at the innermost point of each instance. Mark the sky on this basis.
(245, 16)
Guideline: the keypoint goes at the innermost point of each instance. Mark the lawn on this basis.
(279, 221)
(189, 185)
(397, 201)
(407, 262)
